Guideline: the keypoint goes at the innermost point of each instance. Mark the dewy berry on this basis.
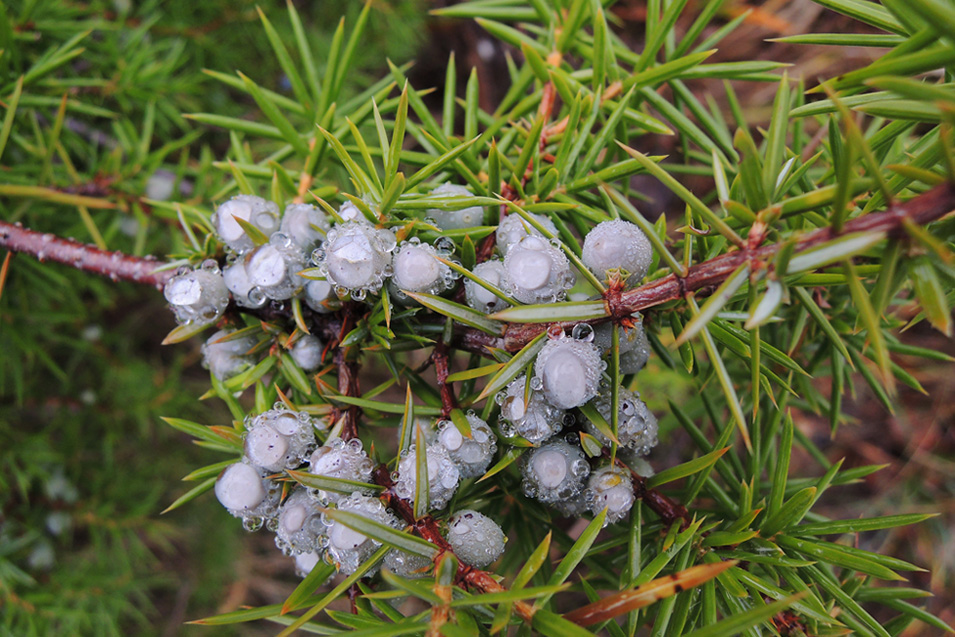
(569, 371)
(307, 352)
(610, 488)
(225, 355)
(410, 565)
(634, 347)
(455, 219)
(537, 271)
(513, 228)
(300, 528)
(636, 424)
(261, 214)
(475, 538)
(416, 268)
(617, 244)
(526, 413)
(279, 439)
(236, 278)
(473, 454)
(342, 460)
(555, 471)
(320, 296)
(479, 297)
(356, 258)
(305, 225)
(246, 493)
(348, 548)
(443, 475)
(199, 295)
(274, 268)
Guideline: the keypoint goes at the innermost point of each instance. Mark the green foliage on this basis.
(783, 333)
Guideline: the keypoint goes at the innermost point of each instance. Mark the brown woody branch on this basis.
(923, 209)
(114, 265)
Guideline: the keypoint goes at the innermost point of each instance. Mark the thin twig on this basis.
(441, 372)
(113, 265)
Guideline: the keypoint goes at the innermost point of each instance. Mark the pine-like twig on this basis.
(113, 265)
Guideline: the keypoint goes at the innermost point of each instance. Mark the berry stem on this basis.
(441, 371)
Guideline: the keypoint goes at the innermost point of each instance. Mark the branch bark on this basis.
(923, 209)
(113, 265)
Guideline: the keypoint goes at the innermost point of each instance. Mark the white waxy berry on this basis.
(343, 460)
(356, 258)
(307, 352)
(410, 565)
(443, 475)
(617, 244)
(633, 344)
(555, 471)
(306, 562)
(299, 525)
(569, 371)
(197, 295)
(247, 494)
(537, 271)
(471, 455)
(480, 298)
(273, 268)
(416, 268)
(321, 297)
(279, 439)
(245, 293)
(636, 424)
(610, 488)
(350, 212)
(475, 538)
(513, 228)
(348, 548)
(535, 419)
(455, 219)
(258, 212)
(304, 224)
(224, 356)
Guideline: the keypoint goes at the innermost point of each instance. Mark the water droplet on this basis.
(444, 246)
(280, 240)
(583, 332)
(555, 332)
(257, 297)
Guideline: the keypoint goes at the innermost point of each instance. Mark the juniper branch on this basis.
(87, 258)
(708, 275)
